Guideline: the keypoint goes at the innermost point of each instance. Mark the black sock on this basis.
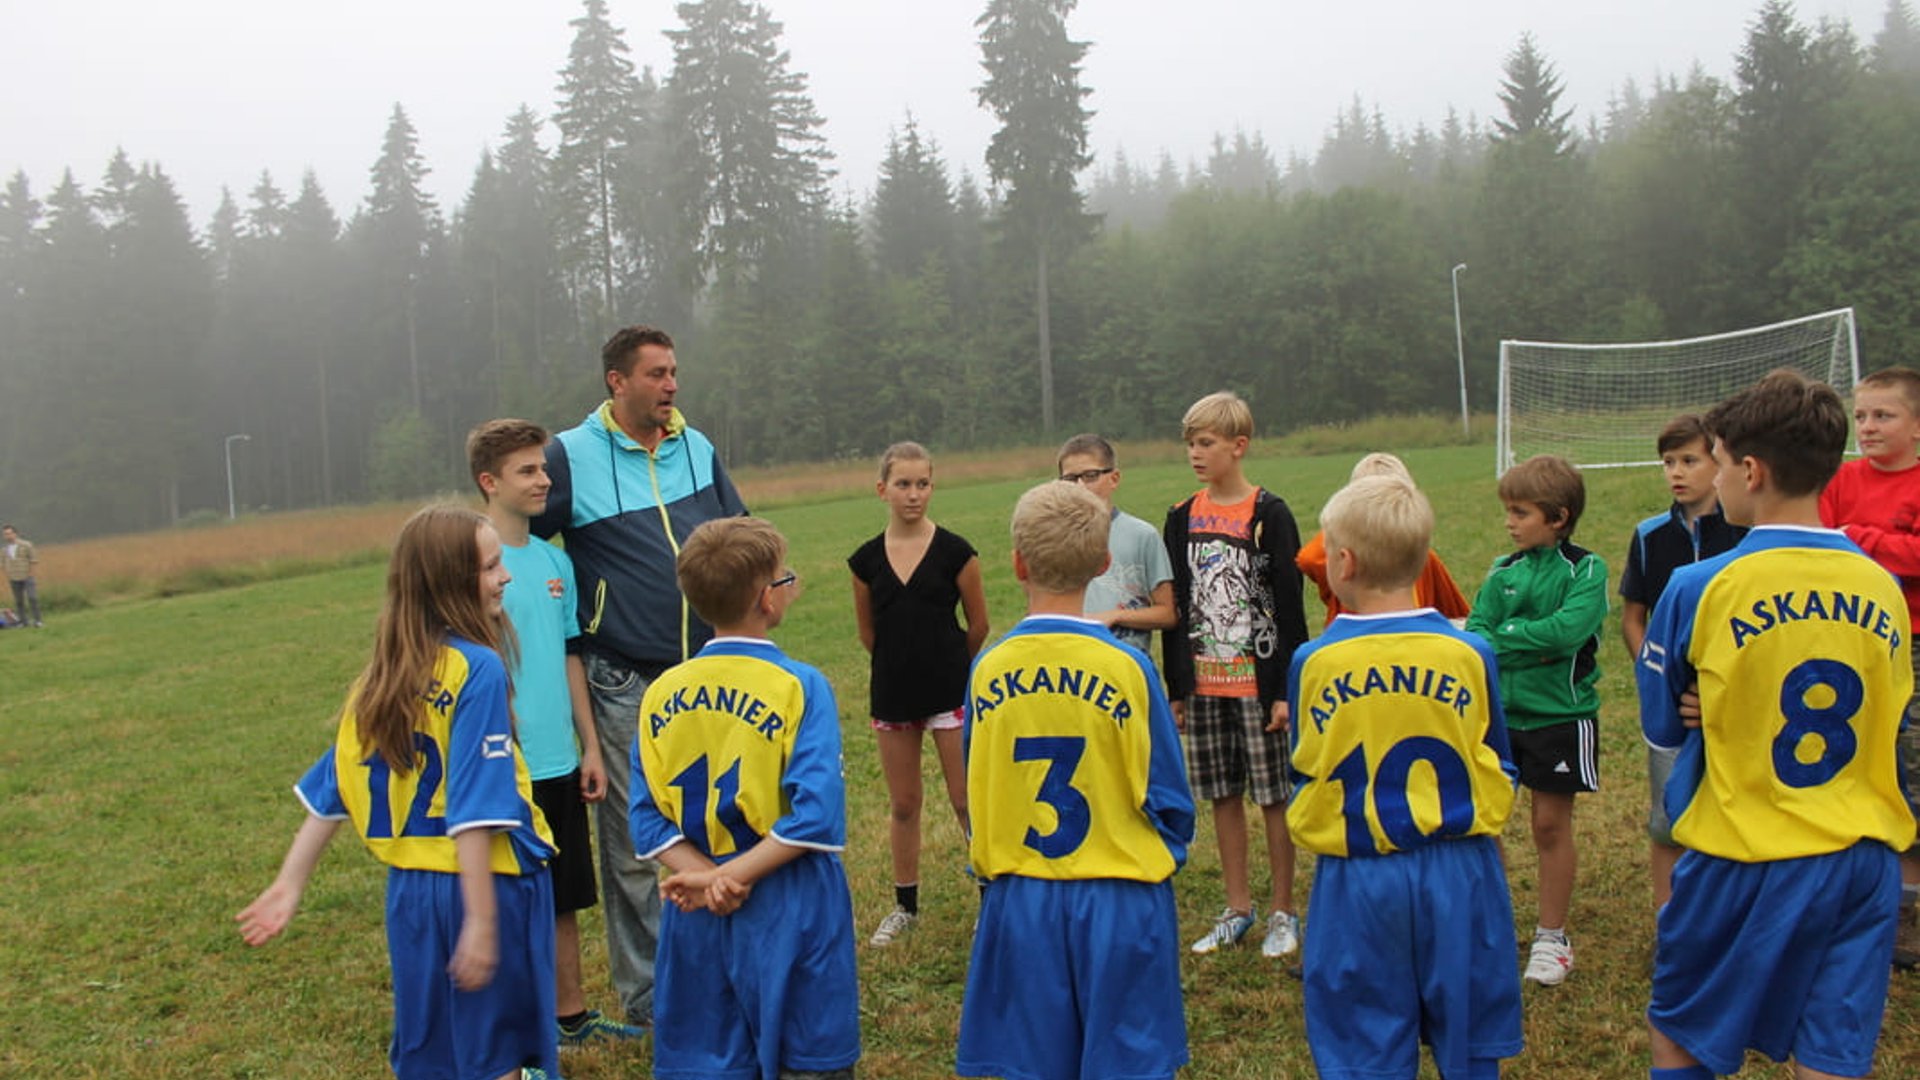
(574, 1021)
(907, 898)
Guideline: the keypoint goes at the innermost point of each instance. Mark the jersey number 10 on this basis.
(1389, 783)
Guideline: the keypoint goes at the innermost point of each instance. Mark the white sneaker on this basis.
(1549, 962)
(1228, 928)
(1283, 935)
(897, 922)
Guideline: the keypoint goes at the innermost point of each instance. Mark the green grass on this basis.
(147, 749)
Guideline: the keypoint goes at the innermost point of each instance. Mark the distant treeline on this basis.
(356, 352)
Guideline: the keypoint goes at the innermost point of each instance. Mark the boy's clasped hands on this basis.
(708, 889)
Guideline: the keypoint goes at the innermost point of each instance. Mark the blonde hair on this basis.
(1379, 463)
(1549, 482)
(1904, 379)
(902, 451)
(1060, 532)
(725, 564)
(433, 590)
(1222, 413)
(1388, 525)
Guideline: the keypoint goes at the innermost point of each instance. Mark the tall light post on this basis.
(231, 439)
(1460, 349)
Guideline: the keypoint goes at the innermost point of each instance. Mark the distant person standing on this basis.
(20, 559)
(629, 484)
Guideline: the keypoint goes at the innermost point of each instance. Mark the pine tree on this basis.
(1896, 48)
(599, 114)
(1033, 89)
(1789, 81)
(267, 213)
(1533, 218)
(398, 229)
(749, 156)
(912, 205)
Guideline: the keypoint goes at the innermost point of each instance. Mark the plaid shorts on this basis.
(1230, 752)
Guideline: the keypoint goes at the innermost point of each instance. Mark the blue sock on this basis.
(1688, 1072)
(1483, 1069)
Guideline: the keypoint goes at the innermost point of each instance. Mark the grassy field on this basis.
(147, 747)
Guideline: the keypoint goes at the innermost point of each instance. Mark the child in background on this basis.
(1876, 501)
(1692, 529)
(1434, 588)
(1237, 591)
(1413, 925)
(738, 791)
(427, 727)
(906, 583)
(1785, 796)
(553, 718)
(1133, 596)
(1081, 818)
(1541, 608)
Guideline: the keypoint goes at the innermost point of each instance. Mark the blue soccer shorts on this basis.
(1074, 980)
(1417, 946)
(770, 988)
(444, 1033)
(1790, 958)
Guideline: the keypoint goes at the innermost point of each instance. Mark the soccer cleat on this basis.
(595, 1028)
(1283, 935)
(535, 1074)
(1228, 928)
(1549, 962)
(897, 922)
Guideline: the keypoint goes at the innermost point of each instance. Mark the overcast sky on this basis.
(216, 90)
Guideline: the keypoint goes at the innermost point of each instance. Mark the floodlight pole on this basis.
(231, 439)
(1460, 349)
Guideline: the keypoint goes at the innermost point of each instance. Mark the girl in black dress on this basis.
(906, 583)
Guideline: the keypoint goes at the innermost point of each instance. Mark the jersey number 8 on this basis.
(1832, 722)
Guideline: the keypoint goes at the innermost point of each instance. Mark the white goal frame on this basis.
(1618, 396)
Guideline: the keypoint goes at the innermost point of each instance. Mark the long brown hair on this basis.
(433, 589)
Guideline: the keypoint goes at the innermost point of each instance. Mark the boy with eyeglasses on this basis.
(1133, 597)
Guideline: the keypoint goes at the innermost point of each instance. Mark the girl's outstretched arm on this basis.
(973, 605)
(477, 952)
(262, 920)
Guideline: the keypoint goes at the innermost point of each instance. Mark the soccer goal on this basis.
(1600, 406)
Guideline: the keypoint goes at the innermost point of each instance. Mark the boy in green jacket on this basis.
(1541, 609)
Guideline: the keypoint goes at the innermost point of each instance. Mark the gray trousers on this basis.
(629, 885)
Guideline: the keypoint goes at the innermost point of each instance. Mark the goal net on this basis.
(1601, 406)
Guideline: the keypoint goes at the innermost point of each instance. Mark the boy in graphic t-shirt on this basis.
(1237, 592)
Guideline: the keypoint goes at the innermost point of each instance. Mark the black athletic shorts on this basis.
(573, 876)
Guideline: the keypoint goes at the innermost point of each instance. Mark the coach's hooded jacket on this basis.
(623, 511)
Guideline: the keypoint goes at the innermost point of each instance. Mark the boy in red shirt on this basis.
(1876, 500)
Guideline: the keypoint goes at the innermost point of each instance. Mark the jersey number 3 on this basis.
(1074, 817)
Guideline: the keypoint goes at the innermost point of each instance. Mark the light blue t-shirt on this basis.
(1139, 565)
(541, 602)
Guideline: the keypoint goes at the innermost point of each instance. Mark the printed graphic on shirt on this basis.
(1230, 626)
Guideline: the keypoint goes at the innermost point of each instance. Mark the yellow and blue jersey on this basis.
(1798, 644)
(467, 774)
(1399, 739)
(738, 744)
(1074, 768)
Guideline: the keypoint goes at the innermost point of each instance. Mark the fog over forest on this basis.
(354, 334)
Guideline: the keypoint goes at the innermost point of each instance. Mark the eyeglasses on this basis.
(1085, 476)
(788, 578)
